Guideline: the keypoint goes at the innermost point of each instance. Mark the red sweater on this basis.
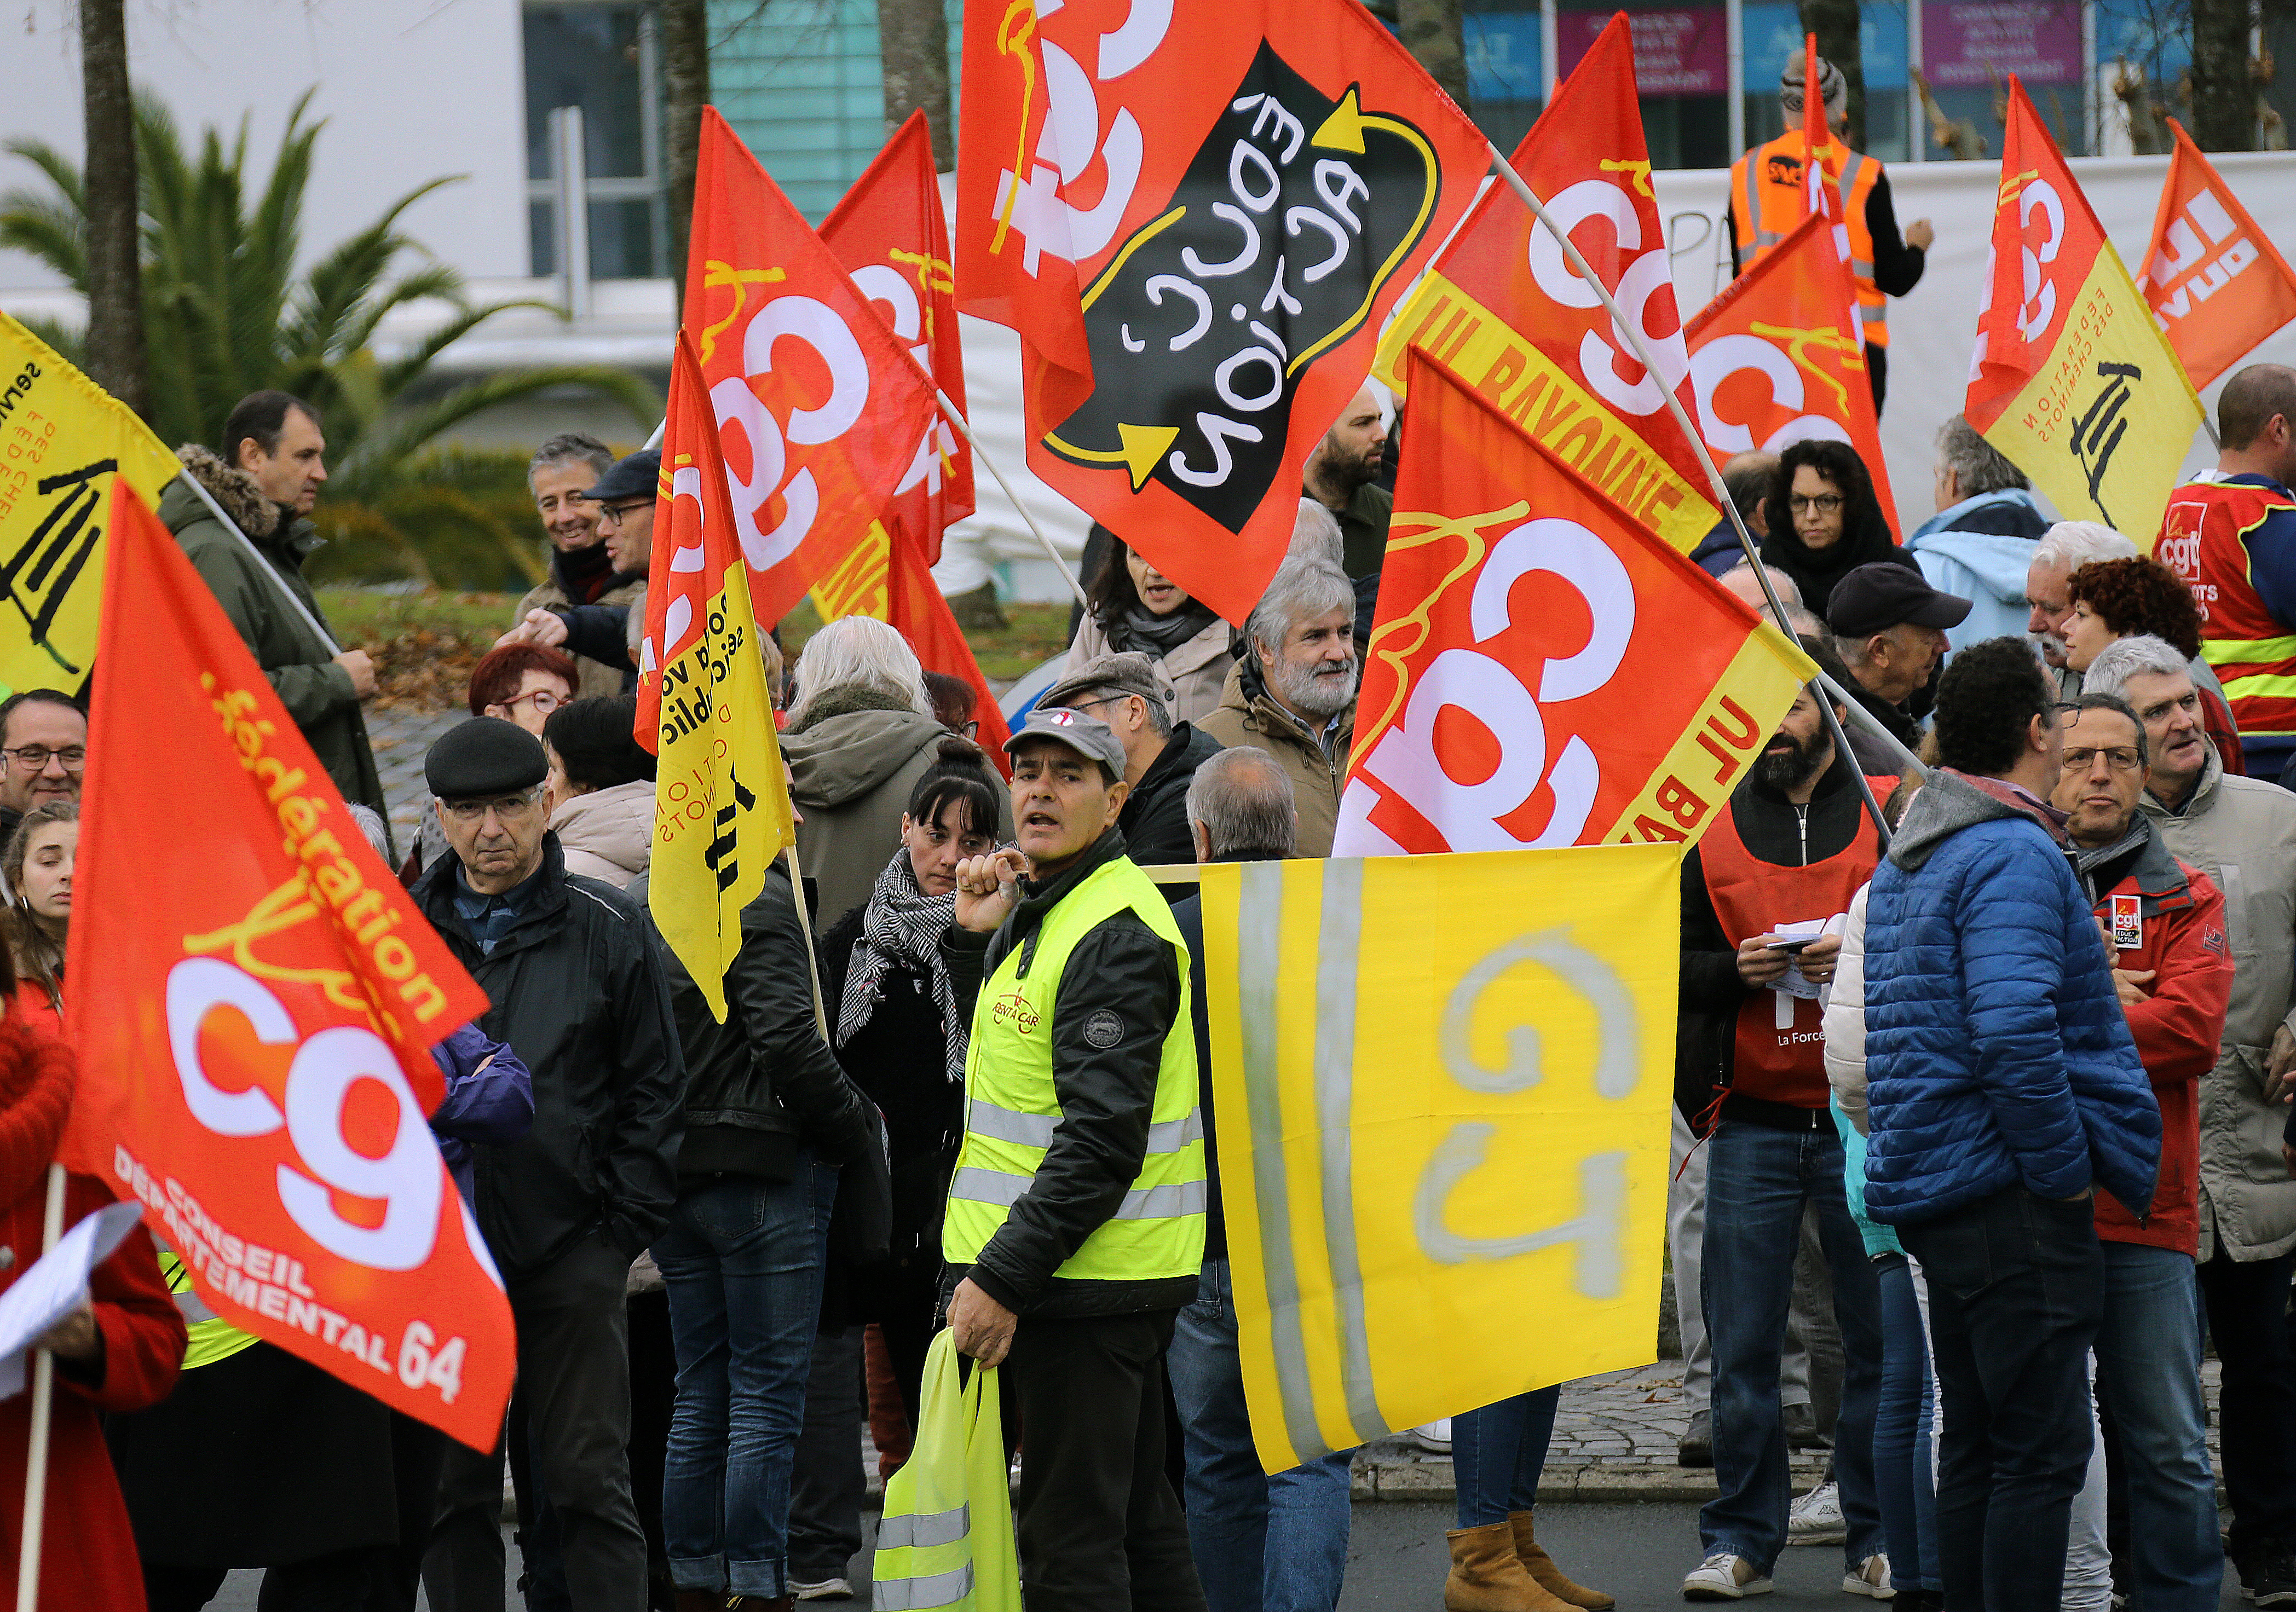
(2182, 939)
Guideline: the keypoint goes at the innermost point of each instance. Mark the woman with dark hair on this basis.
(37, 865)
(901, 1034)
(1132, 606)
(600, 790)
(2116, 599)
(1824, 521)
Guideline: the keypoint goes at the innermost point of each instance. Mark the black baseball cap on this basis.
(1881, 594)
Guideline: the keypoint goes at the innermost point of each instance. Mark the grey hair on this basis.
(858, 651)
(1303, 588)
(1160, 715)
(1242, 798)
(2139, 655)
(371, 825)
(570, 447)
(1788, 589)
(2072, 544)
(1805, 621)
(1316, 534)
(1978, 467)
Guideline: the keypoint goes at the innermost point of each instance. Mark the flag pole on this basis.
(263, 565)
(812, 963)
(44, 1395)
(956, 419)
(1728, 505)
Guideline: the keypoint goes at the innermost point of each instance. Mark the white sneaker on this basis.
(827, 1589)
(1434, 1437)
(1816, 1519)
(1871, 1578)
(1724, 1576)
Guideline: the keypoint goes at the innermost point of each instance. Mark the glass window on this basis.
(1969, 47)
(2151, 46)
(1682, 71)
(600, 58)
(1504, 86)
(1774, 37)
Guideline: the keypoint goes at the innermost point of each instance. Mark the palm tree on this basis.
(225, 313)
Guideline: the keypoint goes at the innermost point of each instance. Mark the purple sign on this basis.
(1982, 42)
(1676, 53)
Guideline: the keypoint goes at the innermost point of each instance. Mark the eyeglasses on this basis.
(1824, 503)
(545, 701)
(2118, 760)
(34, 758)
(507, 808)
(619, 513)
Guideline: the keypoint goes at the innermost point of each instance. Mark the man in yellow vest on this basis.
(1075, 1228)
(1766, 201)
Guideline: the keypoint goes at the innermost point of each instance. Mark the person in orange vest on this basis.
(1766, 203)
(2233, 539)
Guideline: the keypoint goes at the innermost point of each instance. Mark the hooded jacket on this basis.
(1997, 1054)
(608, 833)
(2009, 511)
(579, 990)
(2242, 833)
(599, 679)
(1987, 569)
(1155, 815)
(1247, 715)
(852, 766)
(301, 668)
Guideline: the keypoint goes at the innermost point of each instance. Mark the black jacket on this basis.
(762, 1082)
(1155, 815)
(1776, 831)
(1189, 914)
(1107, 1097)
(580, 992)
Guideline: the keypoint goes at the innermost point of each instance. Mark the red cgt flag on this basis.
(1195, 310)
(820, 408)
(2203, 237)
(888, 234)
(1545, 670)
(253, 1003)
(1777, 359)
(915, 605)
(1505, 313)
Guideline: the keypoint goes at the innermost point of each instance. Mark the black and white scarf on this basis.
(902, 927)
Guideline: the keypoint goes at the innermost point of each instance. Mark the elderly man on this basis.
(583, 570)
(1293, 692)
(1980, 542)
(1341, 476)
(579, 992)
(43, 749)
(2064, 549)
(1130, 693)
(2164, 930)
(2242, 833)
(1075, 1227)
(1889, 628)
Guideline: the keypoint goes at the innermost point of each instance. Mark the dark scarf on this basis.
(1864, 538)
(1140, 629)
(902, 927)
(586, 573)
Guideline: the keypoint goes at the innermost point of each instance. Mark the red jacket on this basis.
(2178, 919)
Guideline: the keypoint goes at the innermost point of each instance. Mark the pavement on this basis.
(400, 737)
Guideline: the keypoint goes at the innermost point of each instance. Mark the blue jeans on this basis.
(1901, 1432)
(2148, 1373)
(1276, 1542)
(1497, 1453)
(743, 1260)
(1758, 1181)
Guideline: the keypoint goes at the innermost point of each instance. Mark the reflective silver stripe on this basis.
(922, 1529)
(191, 1307)
(1751, 205)
(985, 1118)
(1868, 317)
(1339, 944)
(974, 1184)
(1862, 266)
(1767, 238)
(920, 1594)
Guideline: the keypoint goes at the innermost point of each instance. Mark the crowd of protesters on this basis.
(1979, 1115)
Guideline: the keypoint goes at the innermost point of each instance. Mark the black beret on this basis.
(482, 757)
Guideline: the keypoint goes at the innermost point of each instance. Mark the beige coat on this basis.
(607, 834)
(1247, 715)
(2242, 833)
(1198, 667)
(599, 680)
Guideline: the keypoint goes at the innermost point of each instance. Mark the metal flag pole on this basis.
(1728, 506)
(957, 419)
(43, 1408)
(262, 564)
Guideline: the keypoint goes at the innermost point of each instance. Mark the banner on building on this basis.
(254, 1048)
(2203, 241)
(1442, 1085)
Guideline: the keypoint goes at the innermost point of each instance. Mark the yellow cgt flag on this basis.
(2073, 379)
(721, 805)
(62, 440)
(1441, 1085)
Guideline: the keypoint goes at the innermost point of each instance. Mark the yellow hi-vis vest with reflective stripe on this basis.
(210, 1338)
(1011, 1110)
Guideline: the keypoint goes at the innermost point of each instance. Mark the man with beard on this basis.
(1341, 476)
(1294, 693)
(1762, 901)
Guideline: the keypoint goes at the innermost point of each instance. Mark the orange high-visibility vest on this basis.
(1766, 194)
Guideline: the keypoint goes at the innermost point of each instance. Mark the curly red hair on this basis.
(2140, 596)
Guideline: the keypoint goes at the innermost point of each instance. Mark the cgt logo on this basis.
(2179, 544)
(1013, 1011)
(1269, 252)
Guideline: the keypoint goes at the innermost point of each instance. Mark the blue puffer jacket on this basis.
(1996, 1051)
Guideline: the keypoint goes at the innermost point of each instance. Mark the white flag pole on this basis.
(957, 419)
(44, 1390)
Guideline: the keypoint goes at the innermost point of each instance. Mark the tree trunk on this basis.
(116, 358)
(1835, 24)
(2224, 100)
(913, 52)
(686, 84)
(1431, 31)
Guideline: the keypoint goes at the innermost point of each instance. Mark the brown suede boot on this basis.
(1486, 1576)
(1549, 1577)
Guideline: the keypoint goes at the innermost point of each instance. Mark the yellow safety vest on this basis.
(946, 1537)
(1011, 1110)
(1765, 195)
(212, 1337)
